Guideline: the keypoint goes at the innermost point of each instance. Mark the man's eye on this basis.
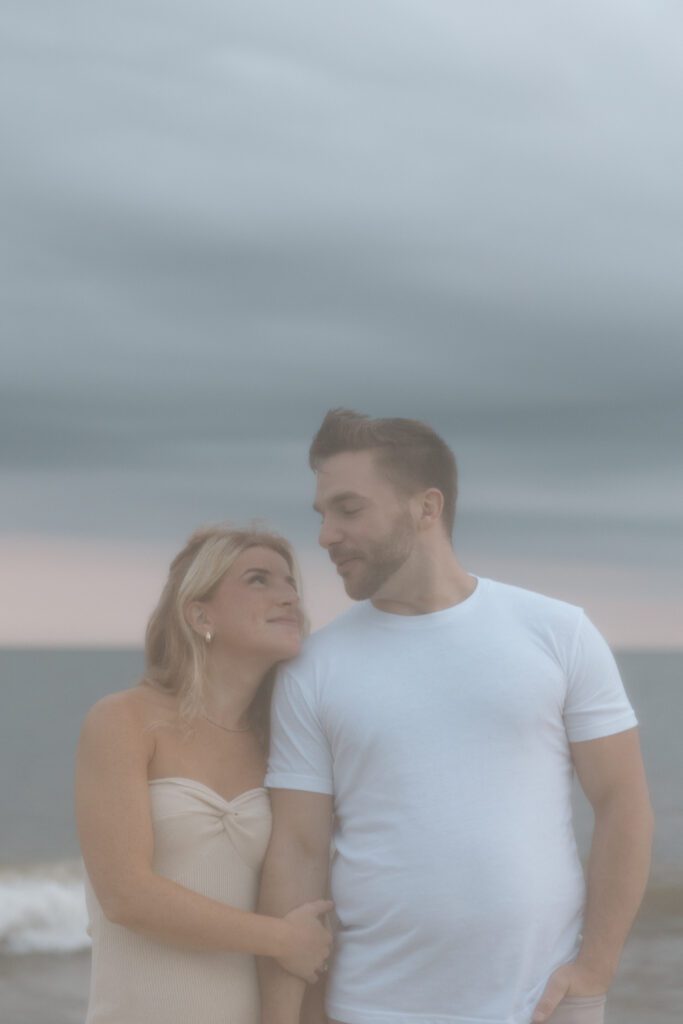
(351, 511)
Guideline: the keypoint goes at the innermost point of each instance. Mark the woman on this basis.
(172, 815)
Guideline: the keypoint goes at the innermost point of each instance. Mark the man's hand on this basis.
(610, 770)
(568, 980)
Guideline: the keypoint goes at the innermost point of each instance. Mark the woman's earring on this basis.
(208, 637)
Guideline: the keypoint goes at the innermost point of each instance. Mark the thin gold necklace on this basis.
(224, 727)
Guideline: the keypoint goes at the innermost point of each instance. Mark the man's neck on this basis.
(430, 581)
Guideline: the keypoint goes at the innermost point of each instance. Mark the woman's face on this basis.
(255, 610)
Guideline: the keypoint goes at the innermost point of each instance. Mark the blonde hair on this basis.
(175, 655)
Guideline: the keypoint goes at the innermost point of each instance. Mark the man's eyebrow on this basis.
(337, 499)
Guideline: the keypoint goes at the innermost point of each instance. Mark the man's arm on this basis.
(297, 862)
(611, 773)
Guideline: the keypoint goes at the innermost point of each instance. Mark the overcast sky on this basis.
(221, 219)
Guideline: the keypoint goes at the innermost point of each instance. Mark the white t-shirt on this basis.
(445, 741)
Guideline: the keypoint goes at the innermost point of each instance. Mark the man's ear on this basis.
(431, 507)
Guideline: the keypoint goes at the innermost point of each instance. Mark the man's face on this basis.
(367, 527)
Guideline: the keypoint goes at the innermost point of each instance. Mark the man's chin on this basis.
(359, 590)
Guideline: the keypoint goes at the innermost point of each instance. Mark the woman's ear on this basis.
(196, 617)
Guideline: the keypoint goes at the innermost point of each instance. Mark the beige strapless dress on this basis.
(215, 847)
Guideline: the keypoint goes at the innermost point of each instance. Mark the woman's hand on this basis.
(308, 942)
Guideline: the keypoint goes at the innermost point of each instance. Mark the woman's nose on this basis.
(289, 595)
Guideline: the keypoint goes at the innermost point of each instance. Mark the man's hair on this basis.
(409, 453)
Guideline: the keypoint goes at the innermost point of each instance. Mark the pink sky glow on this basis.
(78, 593)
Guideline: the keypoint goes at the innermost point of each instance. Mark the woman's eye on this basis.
(257, 579)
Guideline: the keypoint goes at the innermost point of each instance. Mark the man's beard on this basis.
(379, 561)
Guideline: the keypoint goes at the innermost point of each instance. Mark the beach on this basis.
(53, 988)
(649, 985)
(44, 988)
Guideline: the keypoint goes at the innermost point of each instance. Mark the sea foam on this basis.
(42, 909)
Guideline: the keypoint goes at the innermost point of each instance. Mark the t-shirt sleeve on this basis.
(300, 756)
(596, 703)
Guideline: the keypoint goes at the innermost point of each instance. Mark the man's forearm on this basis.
(290, 877)
(313, 1009)
(618, 869)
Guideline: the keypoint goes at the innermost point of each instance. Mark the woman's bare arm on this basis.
(115, 829)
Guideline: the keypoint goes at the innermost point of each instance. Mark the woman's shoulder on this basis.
(131, 712)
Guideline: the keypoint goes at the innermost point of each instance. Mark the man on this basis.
(440, 721)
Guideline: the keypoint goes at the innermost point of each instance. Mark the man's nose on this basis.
(328, 535)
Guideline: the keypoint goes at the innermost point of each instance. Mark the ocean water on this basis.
(44, 947)
(45, 695)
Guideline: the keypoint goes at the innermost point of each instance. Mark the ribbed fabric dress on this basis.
(215, 847)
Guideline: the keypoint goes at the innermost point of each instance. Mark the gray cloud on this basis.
(219, 222)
